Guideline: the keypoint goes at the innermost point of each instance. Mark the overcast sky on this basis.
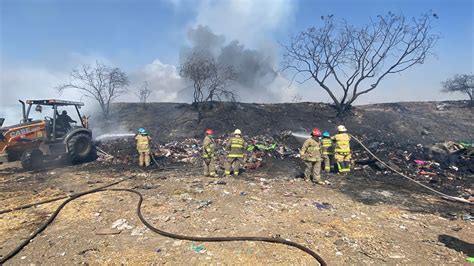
(42, 40)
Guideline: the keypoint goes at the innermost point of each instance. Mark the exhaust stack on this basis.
(24, 111)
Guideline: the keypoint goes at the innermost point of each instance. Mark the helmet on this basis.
(237, 132)
(141, 130)
(316, 132)
(341, 128)
(326, 134)
(209, 131)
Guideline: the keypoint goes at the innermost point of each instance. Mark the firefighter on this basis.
(327, 150)
(311, 154)
(235, 147)
(342, 152)
(208, 148)
(143, 147)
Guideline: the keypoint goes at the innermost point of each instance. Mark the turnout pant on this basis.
(143, 158)
(209, 165)
(343, 160)
(313, 169)
(233, 163)
(327, 162)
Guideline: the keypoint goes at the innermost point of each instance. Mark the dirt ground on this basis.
(365, 219)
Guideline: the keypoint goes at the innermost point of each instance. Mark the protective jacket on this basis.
(235, 146)
(342, 143)
(326, 144)
(311, 150)
(208, 147)
(143, 143)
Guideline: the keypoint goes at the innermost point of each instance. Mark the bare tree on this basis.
(460, 83)
(143, 94)
(356, 58)
(211, 81)
(99, 82)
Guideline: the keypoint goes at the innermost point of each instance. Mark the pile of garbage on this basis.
(123, 151)
(447, 166)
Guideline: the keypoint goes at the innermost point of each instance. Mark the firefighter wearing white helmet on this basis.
(342, 151)
(235, 147)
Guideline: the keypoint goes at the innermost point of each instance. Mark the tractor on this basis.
(35, 142)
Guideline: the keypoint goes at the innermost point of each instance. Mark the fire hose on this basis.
(276, 240)
(445, 196)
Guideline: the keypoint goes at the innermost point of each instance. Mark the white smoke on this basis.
(163, 80)
(249, 21)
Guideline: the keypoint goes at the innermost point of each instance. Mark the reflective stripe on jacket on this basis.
(143, 143)
(326, 146)
(311, 150)
(235, 146)
(342, 143)
(208, 147)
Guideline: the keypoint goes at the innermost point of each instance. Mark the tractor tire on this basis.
(80, 147)
(31, 160)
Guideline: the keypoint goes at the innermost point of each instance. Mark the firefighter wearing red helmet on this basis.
(311, 154)
(208, 148)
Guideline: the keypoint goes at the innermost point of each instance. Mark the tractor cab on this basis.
(57, 134)
(59, 122)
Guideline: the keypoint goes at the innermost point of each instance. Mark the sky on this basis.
(41, 41)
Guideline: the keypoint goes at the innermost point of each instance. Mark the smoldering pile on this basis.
(123, 150)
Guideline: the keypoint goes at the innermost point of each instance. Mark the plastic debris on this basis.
(420, 162)
(198, 248)
(121, 224)
(243, 193)
(467, 217)
(204, 203)
(470, 259)
(321, 206)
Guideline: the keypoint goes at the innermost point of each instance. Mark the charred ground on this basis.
(369, 217)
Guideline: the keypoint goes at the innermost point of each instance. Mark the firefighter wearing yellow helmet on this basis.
(235, 147)
(342, 151)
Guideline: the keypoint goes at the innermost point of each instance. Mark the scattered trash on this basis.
(107, 231)
(454, 168)
(467, 217)
(420, 162)
(204, 203)
(470, 259)
(421, 172)
(198, 248)
(157, 250)
(121, 224)
(321, 206)
(243, 193)
(139, 231)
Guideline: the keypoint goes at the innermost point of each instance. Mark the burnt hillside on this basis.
(410, 122)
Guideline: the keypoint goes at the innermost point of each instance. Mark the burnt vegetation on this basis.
(348, 61)
(99, 82)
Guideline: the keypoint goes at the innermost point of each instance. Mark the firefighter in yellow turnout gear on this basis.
(235, 147)
(327, 151)
(311, 154)
(208, 149)
(342, 152)
(143, 147)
